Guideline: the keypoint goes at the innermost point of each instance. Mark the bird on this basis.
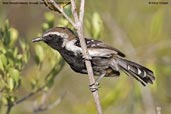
(106, 60)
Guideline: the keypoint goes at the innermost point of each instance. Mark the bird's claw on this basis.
(94, 87)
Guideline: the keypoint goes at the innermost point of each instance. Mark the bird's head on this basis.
(56, 37)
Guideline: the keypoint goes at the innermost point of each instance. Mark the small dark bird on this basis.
(106, 61)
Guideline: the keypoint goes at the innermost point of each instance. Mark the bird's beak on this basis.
(37, 39)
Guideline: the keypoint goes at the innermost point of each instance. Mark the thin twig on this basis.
(29, 95)
(74, 11)
(87, 62)
(9, 107)
(84, 48)
(42, 107)
(81, 14)
(62, 12)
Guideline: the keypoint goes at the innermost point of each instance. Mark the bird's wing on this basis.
(99, 49)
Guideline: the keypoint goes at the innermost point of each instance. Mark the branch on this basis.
(61, 10)
(78, 25)
(10, 105)
(43, 107)
(74, 11)
(87, 56)
(29, 95)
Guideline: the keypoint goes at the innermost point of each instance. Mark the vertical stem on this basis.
(86, 55)
(90, 71)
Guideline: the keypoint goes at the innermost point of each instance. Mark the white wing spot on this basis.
(93, 45)
(139, 71)
(128, 67)
(145, 74)
(96, 52)
(88, 42)
(98, 44)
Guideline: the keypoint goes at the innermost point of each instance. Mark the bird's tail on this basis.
(139, 72)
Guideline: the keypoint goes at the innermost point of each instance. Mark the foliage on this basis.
(94, 25)
(13, 57)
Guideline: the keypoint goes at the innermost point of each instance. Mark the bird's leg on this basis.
(87, 57)
(93, 87)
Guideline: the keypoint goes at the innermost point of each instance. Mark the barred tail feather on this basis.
(139, 72)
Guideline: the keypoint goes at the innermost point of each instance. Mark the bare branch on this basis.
(81, 15)
(62, 11)
(29, 95)
(74, 10)
(9, 107)
(42, 107)
(87, 57)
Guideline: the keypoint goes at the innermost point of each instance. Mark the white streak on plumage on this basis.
(139, 71)
(97, 52)
(145, 73)
(63, 35)
(70, 45)
(128, 67)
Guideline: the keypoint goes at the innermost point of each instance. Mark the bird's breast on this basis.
(75, 61)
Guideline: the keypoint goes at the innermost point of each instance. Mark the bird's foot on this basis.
(94, 87)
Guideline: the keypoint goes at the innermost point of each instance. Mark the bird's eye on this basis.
(50, 35)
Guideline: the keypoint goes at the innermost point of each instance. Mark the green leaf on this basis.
(4, 100)
(13, 36)
(6, 24)
(23, 45)
(25, 50)
(45, 26)
(96, 25)
(11, 62)
(6, 38)
(49, 17)
(63, 22)
(10, 83)
(13, 99)
(1, 66)
(39, 54)
(67, 10)
(15, 74)
(2, 47)
(34, 83)
(3, 61)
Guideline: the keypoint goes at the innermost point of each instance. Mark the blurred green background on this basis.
(139, 29)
